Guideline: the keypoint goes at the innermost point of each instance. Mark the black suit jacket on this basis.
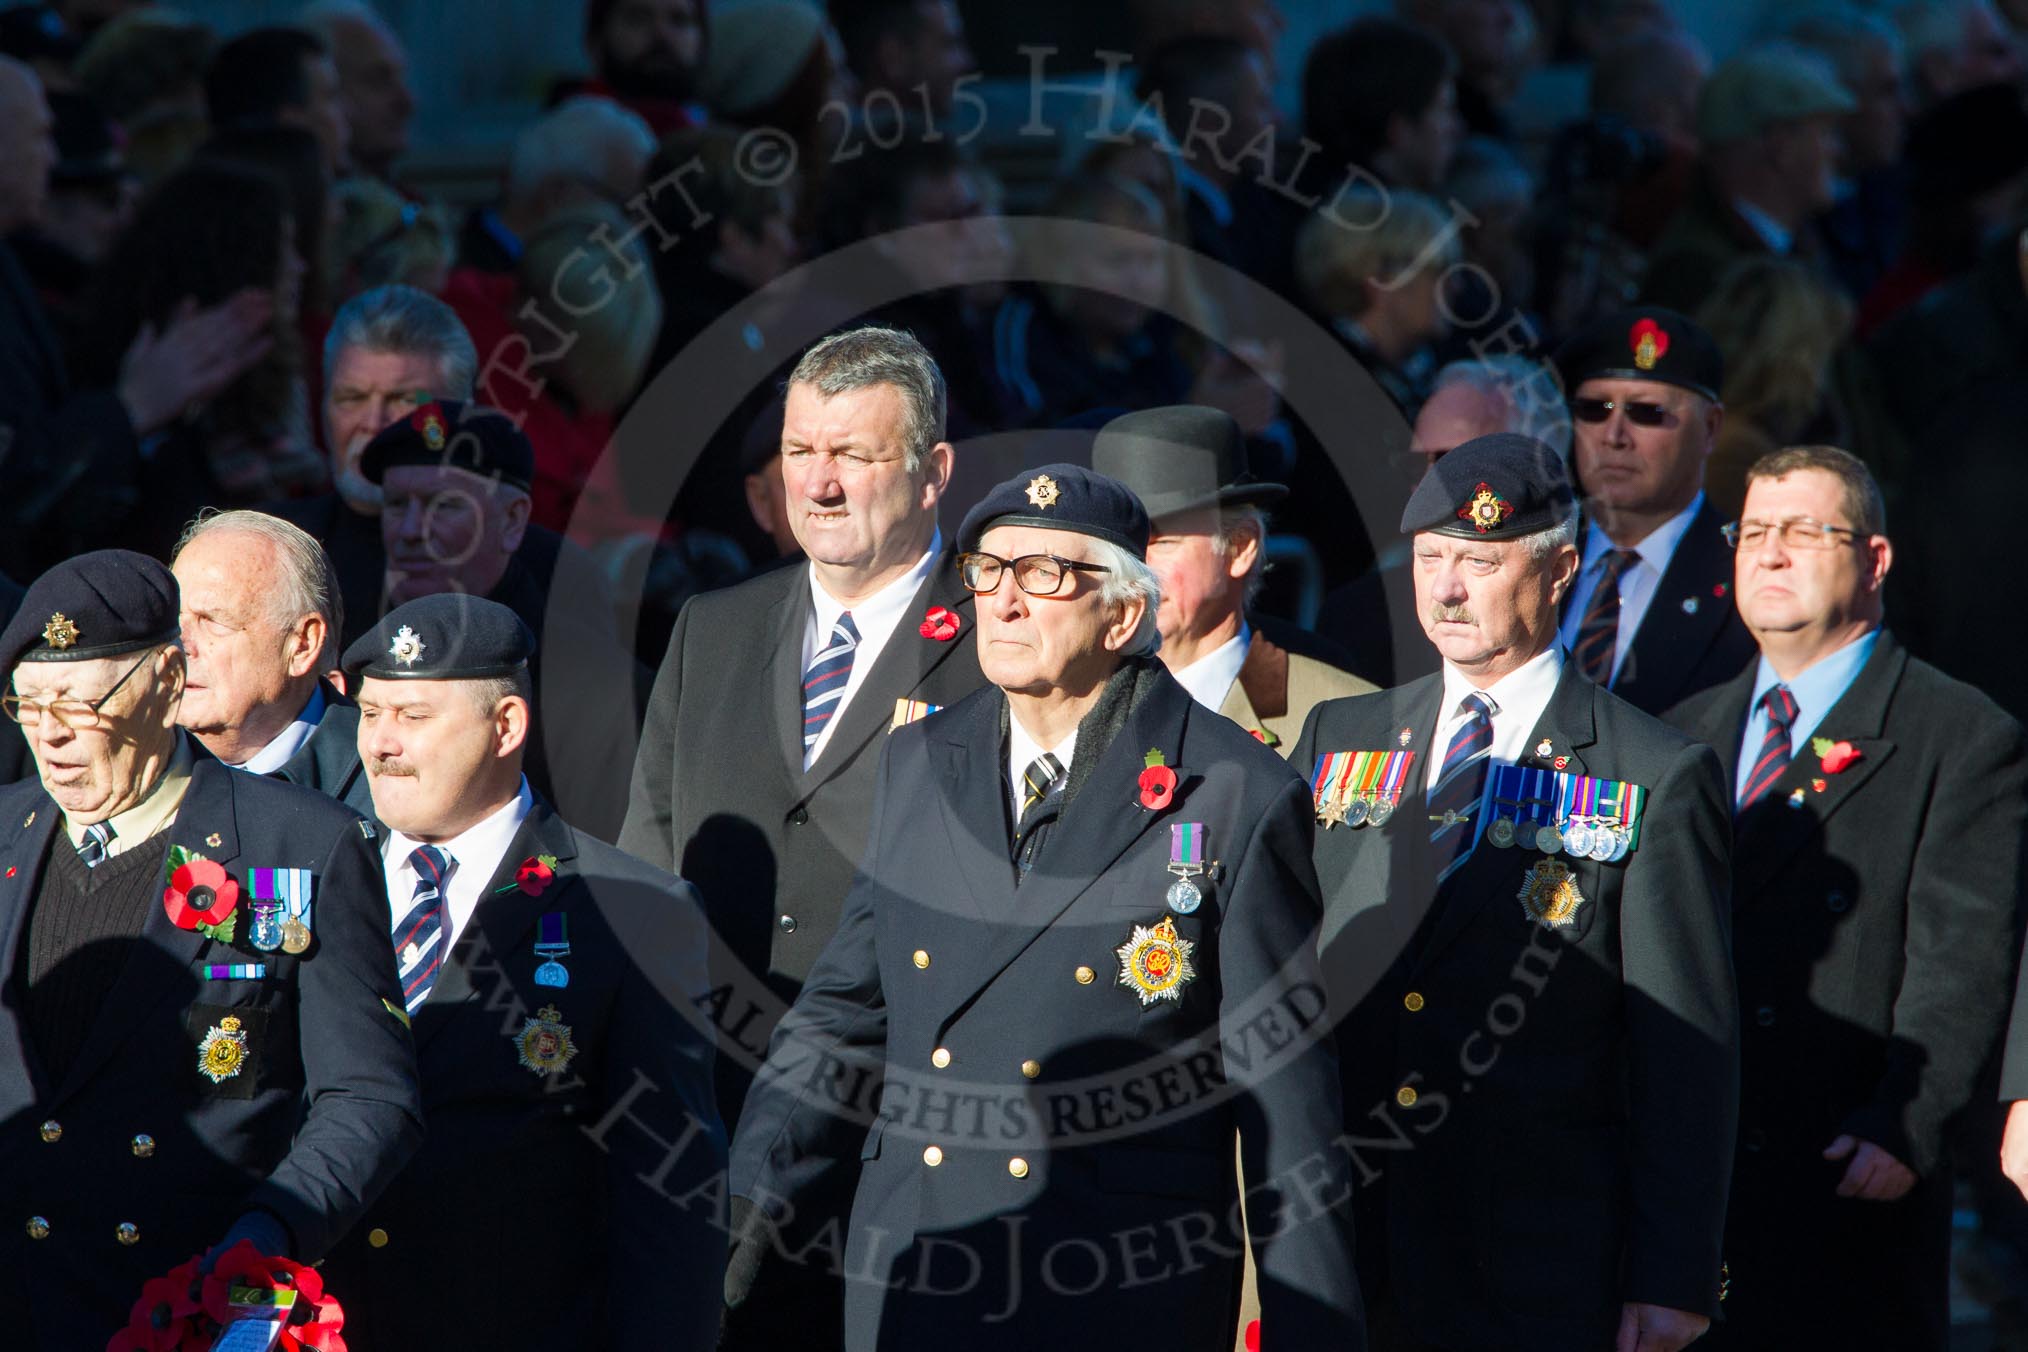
(1874, 935)
(721, 797)
(1097, 1113)
(16, 762)
(591, 1190)
(315, 1124)
(329, 760)
(1567, 1135)
(1691, 637)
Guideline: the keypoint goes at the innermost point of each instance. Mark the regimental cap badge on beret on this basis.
(1486, 510)
(429, 421)
(1650, 343)
(407, 647)
(1043, 492)
(59, 633)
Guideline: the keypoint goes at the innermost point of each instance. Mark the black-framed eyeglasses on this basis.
(1798, 532)
(76, 714)
(1036, 574)
(1640, 412)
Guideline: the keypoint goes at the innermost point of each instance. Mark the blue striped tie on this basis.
(97, 838)
(825, 678)
(1454, 802)
(419, 939)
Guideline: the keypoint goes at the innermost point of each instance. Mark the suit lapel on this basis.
(1683, 617)
(1771, 831)
(1569, 727)
(503, 918)
(1239, 708)
(968, 757)
(904, 663)
(25, 860)
(783, 676)
(1099, 825)
(205, 815)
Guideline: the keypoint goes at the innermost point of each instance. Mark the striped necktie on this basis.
(1040, 805)
(1780, 707)
(1454, 802)
(824, 680)
(1598, 634)
(98, 838)
(419, 938)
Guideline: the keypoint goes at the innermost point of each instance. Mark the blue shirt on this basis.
(1822, 685)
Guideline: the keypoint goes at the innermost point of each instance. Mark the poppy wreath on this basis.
(184, 1309)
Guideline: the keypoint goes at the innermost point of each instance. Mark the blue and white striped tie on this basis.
(824, 680)
(419, 938)
(1454, 802)
(98, 837)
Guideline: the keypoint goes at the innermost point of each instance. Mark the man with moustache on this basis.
(1526, 942)
(1650, 615)
(1080, 886)
(757, 764)
(1881, 809)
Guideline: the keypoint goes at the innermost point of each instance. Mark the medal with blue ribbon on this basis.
(552, 945)
(284, 924)
(1186, 861)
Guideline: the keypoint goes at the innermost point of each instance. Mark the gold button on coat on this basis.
(143, 1146)
(941, 1057)
(1031, 1068)
(1085, 976)
(1018, 1167)
(377, 1237)
(921, 957)
(1405, 1096)
(52, 1131)
(1413, 1002)
(127, 1233)
(932, 1156)
(38, 1228)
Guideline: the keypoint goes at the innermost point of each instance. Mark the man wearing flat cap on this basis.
(1526, 945)
(1207, 544)
(1079, 951)
(455, 522)
(566, 1075)
(1650, 614)
(211, 1046)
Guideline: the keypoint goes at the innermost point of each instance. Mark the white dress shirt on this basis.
(474, 857)
(1209, 679)
(875, 618)
(1518, 699)
(289, 740)
(1021, 753)
(1637, 584)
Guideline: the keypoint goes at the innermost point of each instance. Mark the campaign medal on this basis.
(1549, 894)
(1549, 840)
(1501, 833)
(222, 1053)
(289, 889)
(1327, 787)
(1155, 963)
(1382, 809)
(552, 945)
(1356, 812)
(544, 1042)
(1186, 861)
(267, 926)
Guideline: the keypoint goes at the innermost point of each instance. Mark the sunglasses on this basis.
(1639, 412)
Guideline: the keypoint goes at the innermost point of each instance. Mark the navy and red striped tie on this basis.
(1598, 634)
(1454, 802)
(1780, 707)
(419, 938)
(825, 679)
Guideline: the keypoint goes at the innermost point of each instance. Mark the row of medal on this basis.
(281, 909)
(1556, 813)
(1359, 788)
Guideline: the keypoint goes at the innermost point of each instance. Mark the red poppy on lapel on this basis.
(1835, 756)
(940, 624)
(1718, 589)
(535, 875)
(1158, 782)
(1560, 762)
(199, 893)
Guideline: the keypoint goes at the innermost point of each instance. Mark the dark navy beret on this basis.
(1647, 342)
(456, 436)
(446, 637)
(1062, 497)
(1497, 487)
(101, 604)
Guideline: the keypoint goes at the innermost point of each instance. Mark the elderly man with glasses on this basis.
(1879, 815)
(1080, 953)
(1650, 615)
(210, 1044)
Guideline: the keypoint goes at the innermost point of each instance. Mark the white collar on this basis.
(1021, 752)
(1524, 690)
(479, 848)
(289, 740)
(882, 609)
(1656, 549)
(1209, 679)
